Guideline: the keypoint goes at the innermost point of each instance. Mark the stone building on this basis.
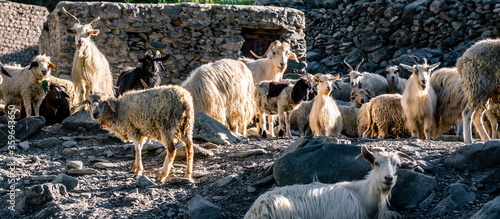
(193, 34)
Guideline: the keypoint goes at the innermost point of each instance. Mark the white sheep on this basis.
(91, 72)
(224, 90)
(419, 100)
(271, 65)
(25, 87)
(361, 199)
(374, 83)
(325, 117)
(163, 113)
(395, 84)
(280, 98)
(480, 73)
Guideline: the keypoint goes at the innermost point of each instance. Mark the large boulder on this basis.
(411, 189)
(475, 156)
(208, 129)
(23, 129)
(489, 210)
(455, 196)
(38, 196)
(80, 119)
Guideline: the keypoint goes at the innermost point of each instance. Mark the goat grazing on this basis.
(164, 113)
(386, 118)
(359, 97)
(91, 72)
(325, 117)
(24, 87)
(55, 106)
(224, 90)
(395, 84)
(374, 83)
(280, 98)
(149, 71)
(360, 199)
(419, 100)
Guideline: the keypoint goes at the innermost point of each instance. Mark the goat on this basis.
(55, 106)
(69, 88)
(91, 72)
(360, 199)
(325, 117)
(164, 113)
(3, 72)
(149, 71)
(419, 100)
(359, 97)
(280, 98)
(395, 84)
(374, 83)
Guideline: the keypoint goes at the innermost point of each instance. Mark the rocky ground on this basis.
(231, 177)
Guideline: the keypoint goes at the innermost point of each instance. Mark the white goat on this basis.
(90, 71)
(25, 88)
(374, 83)
(419, 100)
(325, 117)
(394, 82)
(271, 65)
(356, 200)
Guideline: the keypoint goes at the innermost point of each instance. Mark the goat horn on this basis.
(401, 154)
(95, 19)
(415, 59)
(69, 14)
(256, 56)
(144, 84)
(318, 75)
(268, 49)
(425, 61)
(337, 78)
(350, 67)
(357, 67)
(377, 150)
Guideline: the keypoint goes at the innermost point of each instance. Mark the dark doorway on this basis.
(258, 40)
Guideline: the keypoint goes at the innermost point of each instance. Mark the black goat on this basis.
(55, 106)
(148, 71)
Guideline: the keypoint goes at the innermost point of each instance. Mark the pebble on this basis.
(83, 171)
(25, 145)
(109, 154)
(251, 189)
(181, 181)
(225, 181)
(104, 165)
(209, 145)
(68, 152)
(144, 182)
(43, 178)
(249, 153)
(86, 195)
(69, 144)
(76, 164)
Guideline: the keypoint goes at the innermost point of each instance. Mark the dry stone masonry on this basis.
(20, 28)
(192, 34)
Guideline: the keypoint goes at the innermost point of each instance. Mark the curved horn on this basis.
(357, 67)
(401, 154)
(95, 19)
(350, 67)
(377, 150)
(337, 78)
(256, 56)
(69, 14)
(144, 84)
(268, 49)
(415, 59)
(425, 61)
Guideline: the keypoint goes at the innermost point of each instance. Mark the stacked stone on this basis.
(192, 34)
(20, 28)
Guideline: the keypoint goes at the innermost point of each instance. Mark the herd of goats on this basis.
(240, 92)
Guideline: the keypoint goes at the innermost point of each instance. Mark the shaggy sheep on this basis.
(25, 88)
(164, 113)
(395, 84)
(280, 98)
(90, 71)
(359, 97)
(419, 100)
(361, 199)
(271, 65)
(349, 120)
(299, 118)
(374, 83)
(325, 117)
(386, 118)
(224, 90)
(149, 72)
(55, 106)
(480, 73)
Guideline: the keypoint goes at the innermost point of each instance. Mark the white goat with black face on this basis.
(374, 83)
(357, 199)
(419, 100)
(90, 71)
(394, 82)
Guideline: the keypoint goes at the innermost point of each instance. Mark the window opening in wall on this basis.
(258, 40)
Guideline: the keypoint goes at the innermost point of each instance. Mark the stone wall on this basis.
(192, 34)
(20, 28)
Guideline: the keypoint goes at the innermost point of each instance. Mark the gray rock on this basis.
(208, 129)
(181, 181)
(43, 178)
(38, 196)
(69, 144)
(48, 211)
(313, 56)
(475, 156)
(68, 152)
(80, 119)
(104, 165)
(23, 129)
(83, 171)
(133, 197)
(426, 203)
(489, 210)
(51, 142)
(151, 145)
(249, 153)
(199, 152)
(455, 196)
(25, 145)
(68, 181)
(74, 165)
(200, 208)
(144, 182)
(411, 189)
(371, 46)
(412, 9)
(225, 181)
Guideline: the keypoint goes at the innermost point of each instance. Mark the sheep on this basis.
(325, 118)
(419, 100)
(3, 72)
(374, 83)
(299, 118)
(24, 87)
(271, 65)
(91, 72)
(163, 113)
(363, 120)
(367, 198)
(55, 106)
(395, 84)
(224, 90)
(349, 120)
(386, 118)
(344, 91)
(280, 98)
(359, 97)
(149, 71)
(69, 90)
(480, 73)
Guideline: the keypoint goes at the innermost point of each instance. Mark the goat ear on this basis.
(407, 67)
(368, 93)
(52, 66)
(353, 94)
(33, 64)
(406, 165)
(64, 94)
(111, 105)
(94, 32)
(165, 58)
(367, 155)
(70, 31)
(434, 66)
(5, 72)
